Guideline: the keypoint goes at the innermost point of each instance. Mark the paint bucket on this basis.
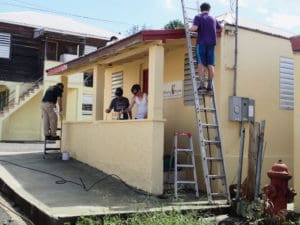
(65, 156)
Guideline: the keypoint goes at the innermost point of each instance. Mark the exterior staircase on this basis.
(17, 102)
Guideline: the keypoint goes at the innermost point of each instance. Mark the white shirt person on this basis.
(141, 101)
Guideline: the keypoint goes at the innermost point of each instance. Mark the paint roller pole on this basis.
(240, 166)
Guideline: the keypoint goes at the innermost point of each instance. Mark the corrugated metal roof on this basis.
(229, 18)
(55, 23)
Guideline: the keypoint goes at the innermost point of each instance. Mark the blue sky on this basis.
(121, 15)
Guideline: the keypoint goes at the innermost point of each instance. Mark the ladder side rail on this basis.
(208, 138)
(194, 170)
(221, 147)
(175, 167)
(197, 105)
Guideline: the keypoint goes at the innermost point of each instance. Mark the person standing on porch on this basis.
(206, 27)
(52, 96)
(120, 104)
(141, 100)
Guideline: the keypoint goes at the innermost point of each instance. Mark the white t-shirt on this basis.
(142, 107)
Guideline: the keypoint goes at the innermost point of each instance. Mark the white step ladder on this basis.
(188, 165)
(207, 124)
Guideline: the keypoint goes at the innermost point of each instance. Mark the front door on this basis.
(145, 81)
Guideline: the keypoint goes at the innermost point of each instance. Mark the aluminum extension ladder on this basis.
(207, 124)
(189, 164)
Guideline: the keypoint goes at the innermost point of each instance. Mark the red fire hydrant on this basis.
(278, 191)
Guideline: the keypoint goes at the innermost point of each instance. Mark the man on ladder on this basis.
(52, 96)
(206, 110)
(206, 26)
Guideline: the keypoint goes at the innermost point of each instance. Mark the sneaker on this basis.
(209, 89)
(47, 137)
(54, 138)
(201, 88)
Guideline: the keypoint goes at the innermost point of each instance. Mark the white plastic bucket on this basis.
(65, 156)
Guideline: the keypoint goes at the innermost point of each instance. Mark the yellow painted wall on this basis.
(25, 123)
(258, 78)
(128, 149)
(297, 131)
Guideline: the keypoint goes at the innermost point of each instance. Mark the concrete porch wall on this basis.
(135, 154)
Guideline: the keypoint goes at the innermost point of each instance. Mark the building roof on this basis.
(295, 43)
(55, 23)
(145, 35)
(163, 35)
(229, 18)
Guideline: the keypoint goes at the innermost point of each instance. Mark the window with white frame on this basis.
(116, 81)
(5, 42)
(286, 83)
(87, 104)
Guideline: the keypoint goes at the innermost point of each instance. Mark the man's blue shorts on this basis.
(205, 54)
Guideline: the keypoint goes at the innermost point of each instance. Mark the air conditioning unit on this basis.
(67, 57)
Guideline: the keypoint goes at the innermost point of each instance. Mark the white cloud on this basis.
(169, 4)
(285, 21)
(262, 10)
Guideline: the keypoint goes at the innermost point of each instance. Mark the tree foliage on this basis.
(135, 29)
(174, 24)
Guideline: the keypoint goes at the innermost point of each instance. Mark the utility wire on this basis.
(65, 13)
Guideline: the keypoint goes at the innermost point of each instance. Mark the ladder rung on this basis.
(207, 110)
(214, 158)
(183, 150)
(207, 125)
(185, 165)
(211, 142)
(185, 182)
(189, 20)
(51, 149)
(219, 194)
(193, 34)
(207, 93)
(187, 134)
(191, 8)
(216, 176)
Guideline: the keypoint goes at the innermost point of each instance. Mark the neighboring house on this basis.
(296, 48)
(155, 59)
(30, 43)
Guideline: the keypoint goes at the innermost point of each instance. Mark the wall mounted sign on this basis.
(173, 89)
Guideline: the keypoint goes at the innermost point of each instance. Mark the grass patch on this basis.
(159, 218)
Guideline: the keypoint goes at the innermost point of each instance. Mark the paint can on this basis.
(65, 156)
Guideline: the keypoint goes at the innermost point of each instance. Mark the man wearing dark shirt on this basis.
(206, 26)
(119, 104)
(52, 96)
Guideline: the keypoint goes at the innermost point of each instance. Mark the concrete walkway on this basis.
(53, 191)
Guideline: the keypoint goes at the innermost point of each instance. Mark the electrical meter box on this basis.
(241, 109)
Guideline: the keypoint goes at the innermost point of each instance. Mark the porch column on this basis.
(98, 92)
(156, 72)
(64, 80)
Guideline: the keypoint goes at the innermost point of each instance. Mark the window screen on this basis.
(5, 41)
(286, 83)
